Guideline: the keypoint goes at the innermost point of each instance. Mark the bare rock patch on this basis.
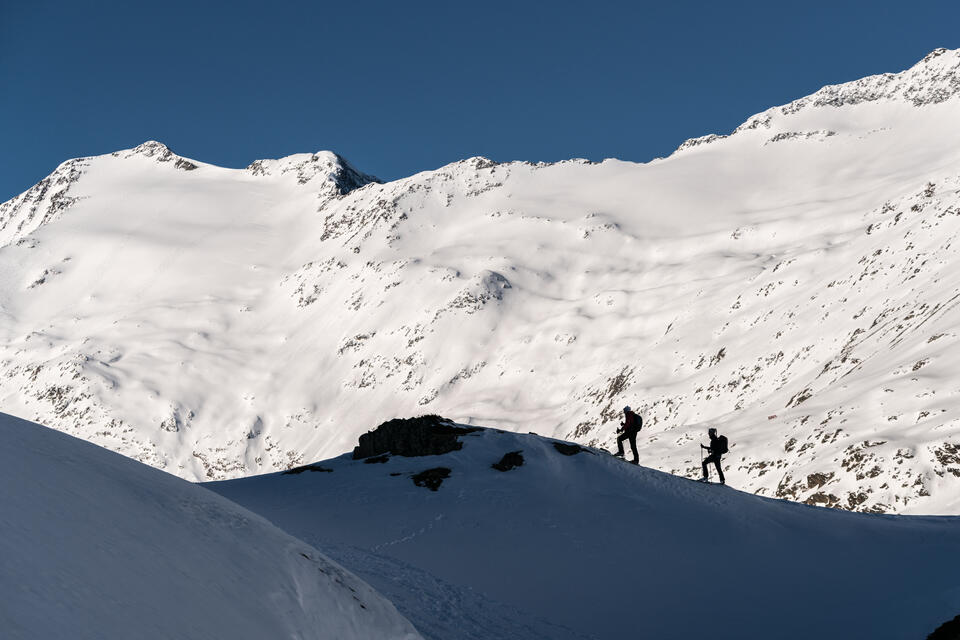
(431, 478)
(429, 435)
(509, 461)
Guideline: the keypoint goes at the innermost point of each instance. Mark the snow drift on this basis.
(95, 545)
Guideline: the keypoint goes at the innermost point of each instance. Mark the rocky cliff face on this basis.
(792, 284)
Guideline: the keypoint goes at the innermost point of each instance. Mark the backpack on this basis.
(721, 447)
(637, 423)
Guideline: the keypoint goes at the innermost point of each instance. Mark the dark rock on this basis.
(308, 467)
(817, 480)
(377, 459)
(431, 478)
(396, 473)
(509, 461)
(949, 630)
(428, 435)
(568, 449)
(822, 499)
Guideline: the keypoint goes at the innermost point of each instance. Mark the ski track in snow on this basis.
(409, 537)
(441, 610)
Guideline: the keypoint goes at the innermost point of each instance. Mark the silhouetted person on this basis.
(628, 430)
(718, 447)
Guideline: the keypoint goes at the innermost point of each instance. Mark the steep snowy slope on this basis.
(611, 550)
(794, 284)
(95, 545)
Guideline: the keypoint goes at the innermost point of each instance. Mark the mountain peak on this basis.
(938, 53)
(342, 176)
(151, 148)
(159, 152)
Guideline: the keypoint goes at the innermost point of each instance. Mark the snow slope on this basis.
(793, 283)
(95, 545)
(611, 550)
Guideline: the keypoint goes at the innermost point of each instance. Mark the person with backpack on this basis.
(718, 447)
(628, 430)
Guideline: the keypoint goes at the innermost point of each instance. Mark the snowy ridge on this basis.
(99, 546)
(933, 80)
(795, 286)
(42, 203)
(326, 172)
(587, 546)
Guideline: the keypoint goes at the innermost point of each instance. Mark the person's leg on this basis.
(633, 447)
(711, 459)
(716, 461)
(620, 440)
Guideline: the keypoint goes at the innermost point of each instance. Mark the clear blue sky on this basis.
(400, 87)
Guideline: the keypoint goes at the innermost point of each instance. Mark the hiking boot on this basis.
(618, 454)
(704, 480)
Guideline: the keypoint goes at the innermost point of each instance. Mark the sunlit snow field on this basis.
(792, 284)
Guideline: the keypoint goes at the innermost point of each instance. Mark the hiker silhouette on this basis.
(718, 447)
(628, 430)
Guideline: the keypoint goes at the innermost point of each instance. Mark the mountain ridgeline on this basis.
(793, 284)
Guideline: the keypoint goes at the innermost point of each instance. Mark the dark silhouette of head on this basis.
(712, 432)
(626, 409)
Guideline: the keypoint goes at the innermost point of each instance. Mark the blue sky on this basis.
(401, 87)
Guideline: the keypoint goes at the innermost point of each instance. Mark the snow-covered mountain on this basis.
(96, 546)
(793, 283)
(586, 546)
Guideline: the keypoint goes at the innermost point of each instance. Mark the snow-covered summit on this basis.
(160, 153)
(331, 169)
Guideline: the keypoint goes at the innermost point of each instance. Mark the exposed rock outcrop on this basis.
(567, 448)
(307, 467)
(509, 461)
(428, 435)
(431, 478)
